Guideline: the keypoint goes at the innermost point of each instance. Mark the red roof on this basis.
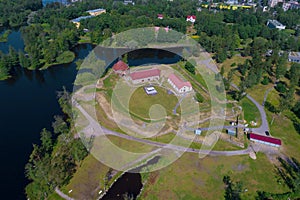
(191, 17)
(178, 82)
(265, 138)
(144, 74)
(120, 66)
(160, 15)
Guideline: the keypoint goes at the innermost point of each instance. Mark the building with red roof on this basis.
(191, 18)
(179, 85)
(265, 140)
(120, 68)
(160, 16)
(143, 76)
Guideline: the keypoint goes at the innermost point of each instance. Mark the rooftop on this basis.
(96, 10)
(78, 19)
(178, 82)
(275, 22)
(265, 138)
(120, 66)
(296, 54)
(144, 74)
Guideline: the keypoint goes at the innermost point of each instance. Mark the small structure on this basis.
(198, 132)
(265, 140)
(150, 90)
(160, 16)
(179, 85)
(272, 23)
(144, 76)
(126, 2)
(231, 132)
(96, 12)
(191, 18)
(120, 68)
(294, 57)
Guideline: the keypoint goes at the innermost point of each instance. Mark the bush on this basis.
(281, 87)
(265, 81)
(199, 97)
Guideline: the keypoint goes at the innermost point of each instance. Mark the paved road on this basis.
(94, 125)
(264, 122)
(62, 195)
(266, 95)
(264, 125)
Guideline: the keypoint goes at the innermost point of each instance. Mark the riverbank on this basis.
(64, 58)
(4, 36)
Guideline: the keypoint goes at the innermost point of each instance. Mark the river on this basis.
(28, 103)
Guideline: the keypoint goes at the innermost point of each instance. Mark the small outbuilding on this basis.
(265, 139)
(120, 68)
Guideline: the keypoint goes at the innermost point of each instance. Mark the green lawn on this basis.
(193, 178)
(251, 112)
(140, 103)
(283, 128)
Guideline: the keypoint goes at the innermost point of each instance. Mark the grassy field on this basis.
(251, 112)
(283, 128)
(140, 103)
(88, 179)
(258, 92)
(193, 178)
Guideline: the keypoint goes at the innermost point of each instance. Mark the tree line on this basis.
(53, 162)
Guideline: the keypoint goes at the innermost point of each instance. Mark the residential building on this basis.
(265, 140)
(96, 12)
(179, 85)
(143, 76)
(120, 68)
(191, 18)
(294, 57)
(77, 20)
(160, 16)
(273, 3)
(272, 23)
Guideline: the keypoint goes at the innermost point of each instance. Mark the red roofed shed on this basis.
(265, 139)
(120, 67)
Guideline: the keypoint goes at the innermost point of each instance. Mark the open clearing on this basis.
(193, 178)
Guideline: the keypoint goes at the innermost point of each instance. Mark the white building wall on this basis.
(144, 80)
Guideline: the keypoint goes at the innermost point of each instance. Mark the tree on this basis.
(221, 55)
(294, 74)
(46, 139)
(190, 67)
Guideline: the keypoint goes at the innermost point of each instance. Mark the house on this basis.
(144, 76)
(273, 3)
(126, 2)
(77, 20)
(120, 68)
(272, 23)
(294, 57)
(160, 16)
(191, 18)
(96, 12)
(265, 140)
(179, 85)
